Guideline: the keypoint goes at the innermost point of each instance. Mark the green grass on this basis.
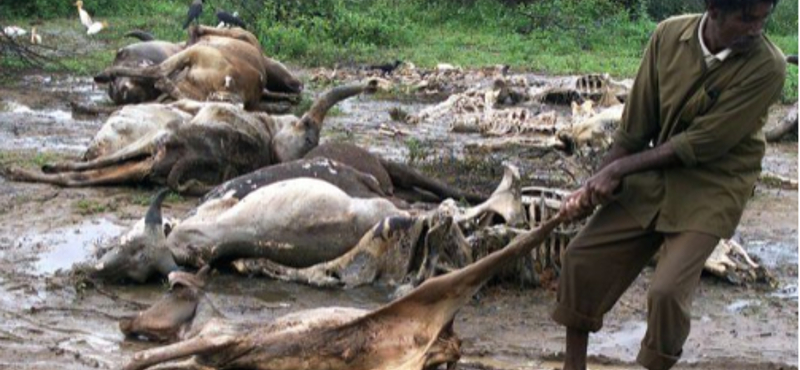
(553, 37)
(87, 207)
(29, 159)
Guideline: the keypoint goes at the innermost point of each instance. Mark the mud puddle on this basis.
(46, 322)
(36, 114)
(59, 249)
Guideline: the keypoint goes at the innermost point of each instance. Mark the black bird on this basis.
(388, 67)
(194, 13)
(230, 19)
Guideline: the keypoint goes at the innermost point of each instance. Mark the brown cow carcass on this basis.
(215, 63)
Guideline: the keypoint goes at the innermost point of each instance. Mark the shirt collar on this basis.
(706, 53)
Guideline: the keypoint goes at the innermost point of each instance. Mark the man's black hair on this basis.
(727, 6)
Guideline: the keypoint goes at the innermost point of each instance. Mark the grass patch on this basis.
(29, 159)
(86, 207)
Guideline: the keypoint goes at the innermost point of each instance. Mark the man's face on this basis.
(739, 30)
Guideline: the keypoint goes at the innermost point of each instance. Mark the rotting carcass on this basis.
(729, 260)
(395, 179)
(296, 224)
(414, 332)
(213, 62)
(404, 250)
(219, 142)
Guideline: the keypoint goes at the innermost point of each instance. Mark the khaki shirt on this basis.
(712, 116)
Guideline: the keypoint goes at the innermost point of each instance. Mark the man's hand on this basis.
(577, 205)
(597, 191)
(600, 188)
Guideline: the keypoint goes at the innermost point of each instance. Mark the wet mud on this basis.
(49, 320)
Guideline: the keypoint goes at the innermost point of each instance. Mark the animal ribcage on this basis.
(517, 121)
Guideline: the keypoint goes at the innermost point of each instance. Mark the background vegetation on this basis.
(549, 36)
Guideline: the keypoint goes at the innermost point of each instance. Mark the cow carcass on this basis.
(395, 179)
(298, 222)
(214, 62)
(414, 332)
(403, 250)
(302, 223)
(127, 90)
(219, 142)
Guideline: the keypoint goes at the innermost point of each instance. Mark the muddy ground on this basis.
(48, 321)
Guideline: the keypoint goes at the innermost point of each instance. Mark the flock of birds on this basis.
(92, 27)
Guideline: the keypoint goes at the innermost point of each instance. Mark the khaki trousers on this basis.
(607, 256)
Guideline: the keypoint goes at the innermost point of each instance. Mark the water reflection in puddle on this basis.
(63, 247)
(740, 304)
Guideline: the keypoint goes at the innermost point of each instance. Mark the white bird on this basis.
(35, 38)
(96, 27)
(14, 31)
(86, 20)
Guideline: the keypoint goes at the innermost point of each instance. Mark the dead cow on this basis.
(221, 141)
(414, 332)
(308, 224)
(127, 90)
(215, 62)
(297, 222)
(394, 178)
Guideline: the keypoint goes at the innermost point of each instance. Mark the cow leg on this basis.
(125, 172)
(130, 152)
(194, 346)
(408, 178)
(191, 185)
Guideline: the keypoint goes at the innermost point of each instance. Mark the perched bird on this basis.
(96, 27)
(388, 67)
(194, 13)
(227, 20)
(35, 38)
(14, 31)
(86, 20)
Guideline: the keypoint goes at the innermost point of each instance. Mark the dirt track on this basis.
(49, 323)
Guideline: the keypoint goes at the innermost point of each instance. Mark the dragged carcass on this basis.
(215, 62)
(220, 141)
(414, 332)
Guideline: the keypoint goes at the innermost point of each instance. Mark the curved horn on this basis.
(324, 103)
(141, 35)
(153, 216)
(792, 59)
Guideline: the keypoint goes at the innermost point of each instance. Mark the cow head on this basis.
(127, 90)
(142, 252)
(296, 137)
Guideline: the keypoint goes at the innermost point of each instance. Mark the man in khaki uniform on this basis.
(683, 164)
